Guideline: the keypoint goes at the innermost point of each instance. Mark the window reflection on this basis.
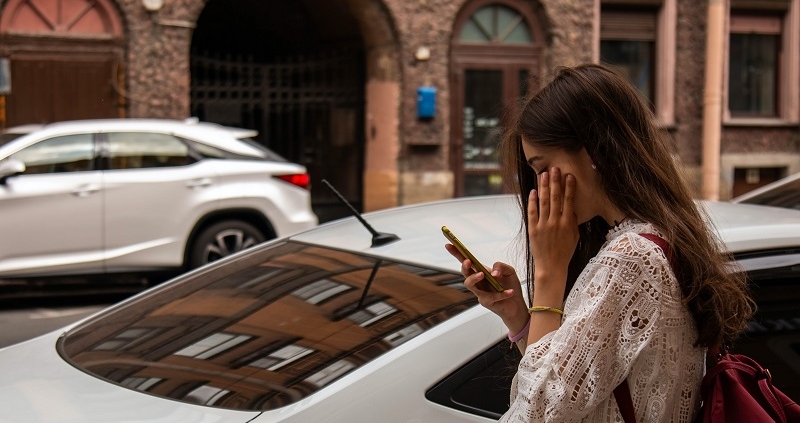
(282, 323)
(140, 383)
(331, 373)
(281, 357)
(212, 345)
(206, 395)
(127, 339)
(70, 153)
(136, 150)
(404, 334)
(321, 290)
(372, 313)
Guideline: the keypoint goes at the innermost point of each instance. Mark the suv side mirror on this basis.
(9, 168)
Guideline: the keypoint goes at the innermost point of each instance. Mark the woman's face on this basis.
(589, 195)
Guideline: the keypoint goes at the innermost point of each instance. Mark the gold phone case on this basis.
(488, 276)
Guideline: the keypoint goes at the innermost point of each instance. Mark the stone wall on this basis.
(158, 57)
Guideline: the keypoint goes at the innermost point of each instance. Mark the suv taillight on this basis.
(299, 179)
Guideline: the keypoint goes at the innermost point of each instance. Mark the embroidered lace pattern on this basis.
(623, 318)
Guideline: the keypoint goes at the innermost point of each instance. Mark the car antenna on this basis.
(378, 238)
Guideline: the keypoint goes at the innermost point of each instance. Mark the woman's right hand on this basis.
(508, 304)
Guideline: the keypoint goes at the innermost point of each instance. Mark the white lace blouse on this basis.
(623, 318)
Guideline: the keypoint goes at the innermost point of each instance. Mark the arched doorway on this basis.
(496, 51)
(295, 71)
(66, 60)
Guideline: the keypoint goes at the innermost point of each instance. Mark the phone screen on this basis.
(478, 266)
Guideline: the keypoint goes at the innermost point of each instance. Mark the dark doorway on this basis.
(294, 71)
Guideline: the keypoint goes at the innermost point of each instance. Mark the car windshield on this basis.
(267, 330)
(787, 195)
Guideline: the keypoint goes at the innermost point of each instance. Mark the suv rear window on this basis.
(267, 330)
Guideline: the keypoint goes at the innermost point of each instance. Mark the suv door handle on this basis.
(199, 183)
(86, 190)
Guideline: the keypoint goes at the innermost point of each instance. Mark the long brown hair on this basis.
(591, 107)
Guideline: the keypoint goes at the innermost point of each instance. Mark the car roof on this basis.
(490, 227)
(752, 227)
(215, 135)
(484, 224)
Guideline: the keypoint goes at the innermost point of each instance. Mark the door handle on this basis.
(199, 183)
(86, 190)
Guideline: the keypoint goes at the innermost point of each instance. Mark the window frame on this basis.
(787, 90)
(192, 155)
(664, 52)
(19, 155)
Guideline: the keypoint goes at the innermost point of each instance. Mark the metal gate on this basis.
(307, 109)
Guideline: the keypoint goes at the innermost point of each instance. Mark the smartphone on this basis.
(478, 266)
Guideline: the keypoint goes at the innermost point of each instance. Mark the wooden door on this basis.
(497, 47)
(51, 90)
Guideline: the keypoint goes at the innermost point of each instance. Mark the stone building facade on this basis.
(205, 58)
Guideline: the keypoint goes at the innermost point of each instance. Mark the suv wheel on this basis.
(222, 239)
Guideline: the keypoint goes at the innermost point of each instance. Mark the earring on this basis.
(594, 167)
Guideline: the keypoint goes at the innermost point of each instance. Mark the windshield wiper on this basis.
(378, 238)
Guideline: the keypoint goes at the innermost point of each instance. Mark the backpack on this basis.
(734, 389)
(737, 389)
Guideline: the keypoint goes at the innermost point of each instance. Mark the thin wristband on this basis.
(521, 333)
(545, 308)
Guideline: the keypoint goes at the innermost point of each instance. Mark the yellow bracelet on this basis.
(545, 308)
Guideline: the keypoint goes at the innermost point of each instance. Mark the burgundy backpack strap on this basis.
(663, 245)
(622, 393)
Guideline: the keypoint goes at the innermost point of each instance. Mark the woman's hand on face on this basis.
(553, 226)
(509, 303)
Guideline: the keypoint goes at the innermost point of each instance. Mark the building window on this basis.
(628, 42)
(755, 44)
(496, 23)
(763, 78)
(640, 40)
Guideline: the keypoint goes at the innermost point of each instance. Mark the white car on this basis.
(337, 325)
(134, 195)
(784, 192)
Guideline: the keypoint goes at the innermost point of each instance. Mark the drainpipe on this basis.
(712, 97)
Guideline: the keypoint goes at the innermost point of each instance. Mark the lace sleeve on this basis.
(610, 316)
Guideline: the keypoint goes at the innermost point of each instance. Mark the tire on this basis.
(222, 239)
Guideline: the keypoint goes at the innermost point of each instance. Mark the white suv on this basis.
(131, 195)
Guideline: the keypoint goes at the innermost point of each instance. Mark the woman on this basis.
(594, 174)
